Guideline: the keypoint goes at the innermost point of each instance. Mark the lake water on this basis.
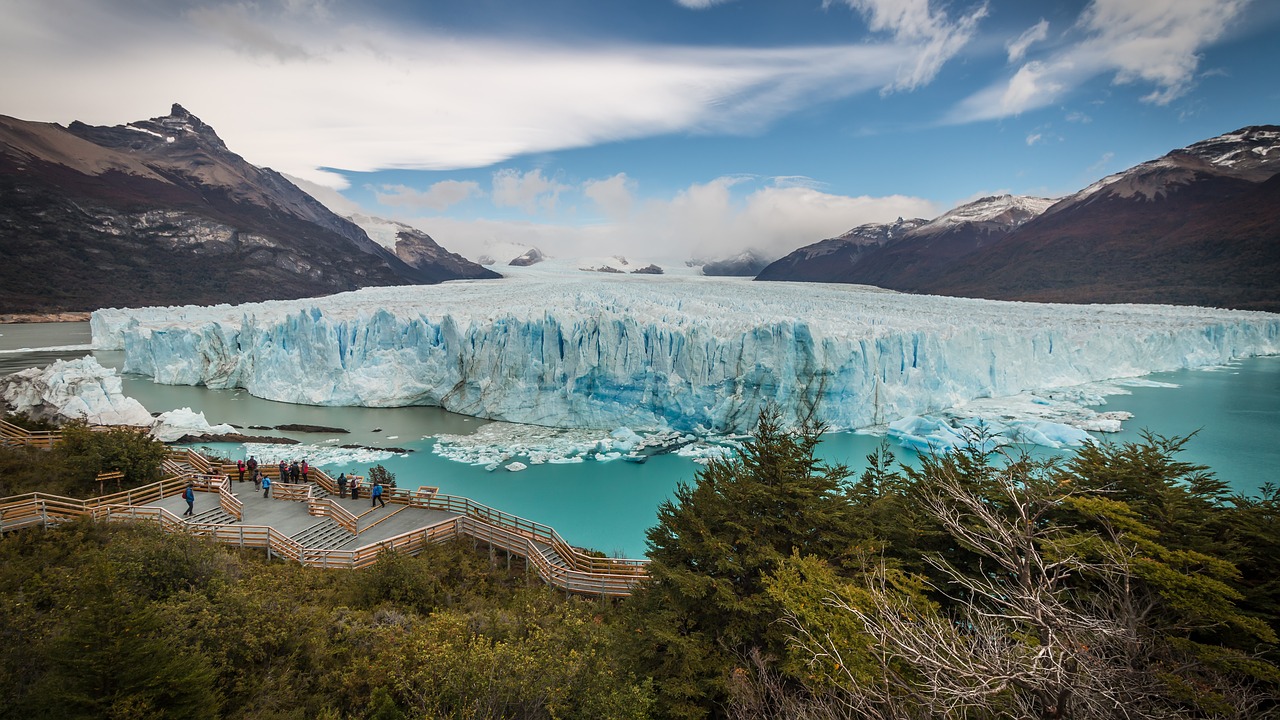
(609, 506)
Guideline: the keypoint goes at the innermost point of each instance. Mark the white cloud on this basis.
(709, 220)
(1034, 138)
(1157, 41)
(298, 91)
(438, 196)
(701, 4)
(1137, 41)
(1102, 163)
(613, 195)
(237, 25)
(529, 191)
(1079, 117)
(1018, 48)
(327, 195)
(935, 37)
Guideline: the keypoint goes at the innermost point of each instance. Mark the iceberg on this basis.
(172, 425)
(73, 390)
(689, 354)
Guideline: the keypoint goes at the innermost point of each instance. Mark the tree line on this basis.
(1120, 582)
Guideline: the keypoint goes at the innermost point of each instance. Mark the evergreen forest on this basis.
(1120, 582)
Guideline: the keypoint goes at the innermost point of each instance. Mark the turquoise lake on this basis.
(1234, 410)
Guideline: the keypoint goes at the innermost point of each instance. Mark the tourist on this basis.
(252, 465)
(190, 496)
(355, 488)
(284, 472)
(294, 473)
(257, 480)
(266, 486)
(342, 485)
(240, 469)
(377, 496)
(304, 469)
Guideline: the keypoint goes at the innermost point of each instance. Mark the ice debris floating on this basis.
(83, 389)
(175, 424)
(679, 353)
(496, 444)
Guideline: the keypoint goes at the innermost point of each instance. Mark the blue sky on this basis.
(659, 127)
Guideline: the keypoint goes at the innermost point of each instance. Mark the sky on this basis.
(658, 128)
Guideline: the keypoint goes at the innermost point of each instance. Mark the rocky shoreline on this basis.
(20, 318)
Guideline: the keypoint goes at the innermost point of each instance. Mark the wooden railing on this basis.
(575, 558)
(580, 573)
(228, 501)
(289, 491)
(324, 507)
(11, 434)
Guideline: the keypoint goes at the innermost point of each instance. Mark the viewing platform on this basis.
(308, 523)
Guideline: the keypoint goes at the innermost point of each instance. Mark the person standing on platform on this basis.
(257, 480)
(284, 472)
(240, 468)
(189, 494)
(252, 465)
(377, 495)
(294, 472)
(304, 469)
(342, 485)
(266, 486)
(355, 488)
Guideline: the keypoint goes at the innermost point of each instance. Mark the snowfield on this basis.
(587, 350)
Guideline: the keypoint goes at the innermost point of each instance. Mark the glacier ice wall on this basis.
(666, 352)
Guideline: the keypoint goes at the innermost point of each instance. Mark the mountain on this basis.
(832, 260)
(745, 264)
(418, 250)
(1199, 226)
(162, 212)
(907, 254)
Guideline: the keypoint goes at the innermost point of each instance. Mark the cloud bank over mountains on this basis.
(328, 91)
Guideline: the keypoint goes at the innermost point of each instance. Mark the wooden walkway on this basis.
(308, 523)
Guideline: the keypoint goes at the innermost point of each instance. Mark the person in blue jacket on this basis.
(376, 494)
(190, 496)
(266, 486)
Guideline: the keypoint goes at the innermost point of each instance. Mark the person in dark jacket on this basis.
(342, 485)
(294, 472)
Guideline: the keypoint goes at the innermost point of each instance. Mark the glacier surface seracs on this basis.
(685, 353)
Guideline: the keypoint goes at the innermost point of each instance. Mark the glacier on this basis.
(703, 355)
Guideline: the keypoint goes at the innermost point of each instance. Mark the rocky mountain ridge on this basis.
(162, 212)
(1198, 226)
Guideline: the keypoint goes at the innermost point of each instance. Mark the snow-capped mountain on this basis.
(418, 250)
(994, 214)
(747, 263)
(897, 254)
(832, 260)
(161, 211)
(1199, 226)
(1251, 154)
